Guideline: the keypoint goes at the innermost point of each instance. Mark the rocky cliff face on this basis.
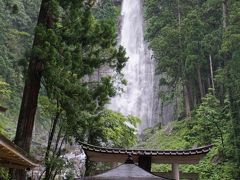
(76, 159)
(74, 164)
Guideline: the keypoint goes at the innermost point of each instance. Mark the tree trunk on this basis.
(211, 72)
(194, 99)
(179, 13)
(209, 82)
(225, 19)
(204, 86)
(28, 108)
(224, 13)
(32, 86)
(200, 85)
(186, 101)
(235, 108)
(186, 96)
(51, 135)
(49, 166)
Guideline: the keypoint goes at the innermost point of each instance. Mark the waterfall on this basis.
(138, 95)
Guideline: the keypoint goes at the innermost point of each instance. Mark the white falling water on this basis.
(137, 99)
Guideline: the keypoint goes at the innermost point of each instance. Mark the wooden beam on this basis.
(160, 159)
(175, 171)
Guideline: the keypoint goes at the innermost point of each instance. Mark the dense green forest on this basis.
(52, 49)
(196, 46)
(17, 26)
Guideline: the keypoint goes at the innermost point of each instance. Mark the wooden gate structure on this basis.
(144, 158)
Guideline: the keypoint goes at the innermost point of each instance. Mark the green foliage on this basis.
(17, 22)
(182, 39)
(169, 138)
(214, 168)
(72, 50)
(189, 39)
(4, 91)
(78, 45)
(5, 122)
(109, 128)
(210, 122)
(17, 19)
(209, 125)
(4, 173)
(105, 9)
(182, 34)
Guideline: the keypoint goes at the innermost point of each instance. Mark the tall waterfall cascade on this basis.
(139, 97)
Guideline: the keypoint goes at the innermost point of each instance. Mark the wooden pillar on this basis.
(175, 171)
(145, 162)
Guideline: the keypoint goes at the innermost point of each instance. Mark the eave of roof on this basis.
(12, 156)
(190, 156)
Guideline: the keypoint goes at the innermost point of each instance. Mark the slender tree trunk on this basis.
(50, 168)
(51, 135)
(56, 154)
(58, 140)
(179, 13)
(209, 82)
(190, 93)
(186, 101)
(28, 108)
(200, 85)
(224, 13)
(50, 140)
(211, 72)
(186, 97)
(224, 22)
(195, 99)
(235, 109)
(204, 86)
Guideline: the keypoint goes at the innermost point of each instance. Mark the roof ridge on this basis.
(94, 148)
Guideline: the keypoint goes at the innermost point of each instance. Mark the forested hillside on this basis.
(18, 19)
(53, 93)
(49, 51)
(196, 47)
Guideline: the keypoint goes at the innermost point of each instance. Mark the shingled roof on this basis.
(126, 172)
(190, 156)
(11, 156)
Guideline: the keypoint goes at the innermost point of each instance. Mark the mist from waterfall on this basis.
(138, 95)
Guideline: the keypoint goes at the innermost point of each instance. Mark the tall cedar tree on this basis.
(28, 109)
(84, 45)
(32, 85)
